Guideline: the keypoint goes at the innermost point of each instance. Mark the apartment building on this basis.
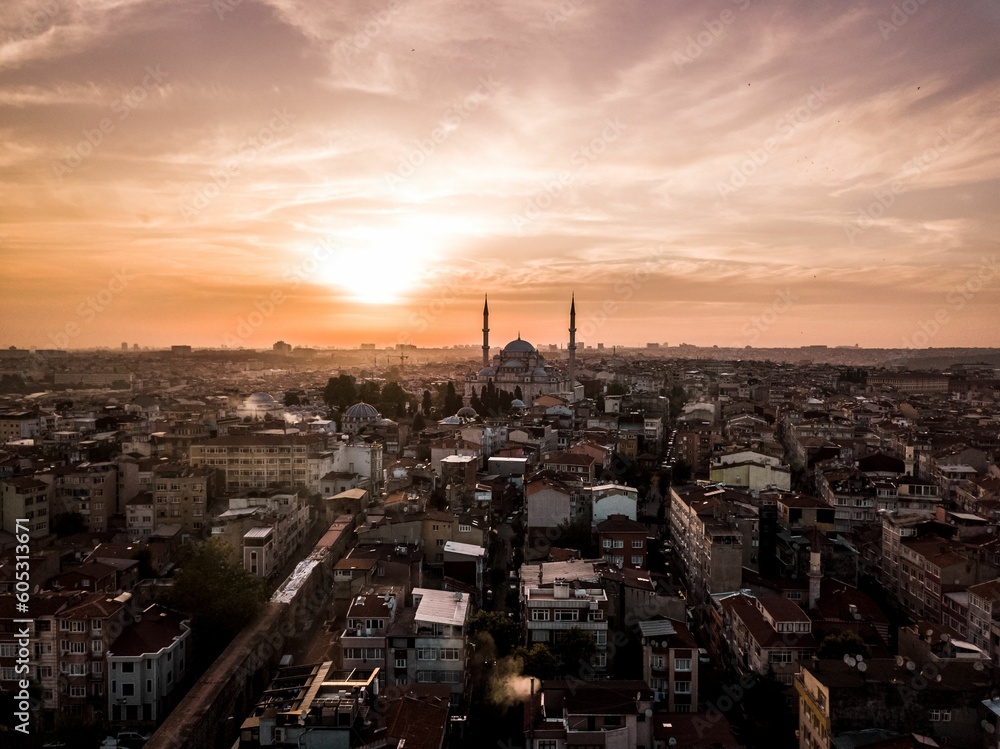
(24, 498)
(550, 611)
(709, 547)
(670, 664)
(87, 489)
(260, 461)
(181, 495)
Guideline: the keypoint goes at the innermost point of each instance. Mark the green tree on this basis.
(392, 400)
(425, 403)
(452, 400)
(677, 398)
(219, 594)
(340, 392)
(438, 500)
(846, 643)
(539, 661)
(574, 650)
(616, 388)
(370, 392)
(577, 535)
(418, 422)
(517, 393)
(292, 399)
(499, 626)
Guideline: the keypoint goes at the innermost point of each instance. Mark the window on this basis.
(637, 543)
(8, 650)
(97, 668)
(607, 543)
(464, 528)
(7, 674)
(940, 716)
(618, 544)
(401, 663)
(149, 686)
(539, 615)
(682, 687)
(426, 654)
(97, 646)
(682, 664)
(77, 691)
(128, 690)
(637, 560)
(128, 667)
(567, 615)
(656, 661)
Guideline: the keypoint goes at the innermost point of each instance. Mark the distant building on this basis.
(183, 349)
(282, 348)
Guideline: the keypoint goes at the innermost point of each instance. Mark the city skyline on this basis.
(232, 173)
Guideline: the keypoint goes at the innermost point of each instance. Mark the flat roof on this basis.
(441, 606)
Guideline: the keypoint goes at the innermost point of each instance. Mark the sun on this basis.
(379, 265)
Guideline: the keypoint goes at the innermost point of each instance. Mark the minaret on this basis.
(815, 576)
(571, 373)
(486, 331)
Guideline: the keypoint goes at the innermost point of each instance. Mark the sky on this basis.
(731, 172)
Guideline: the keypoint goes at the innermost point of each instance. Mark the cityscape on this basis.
(423, 375)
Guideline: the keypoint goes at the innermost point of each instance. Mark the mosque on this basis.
(521, 365)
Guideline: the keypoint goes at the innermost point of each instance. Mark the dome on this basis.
(467, 412)
(487, 372)
(514, 364)
(517, 403)
(261, 399)
(519, 346)
(361, 411)
(539, 372)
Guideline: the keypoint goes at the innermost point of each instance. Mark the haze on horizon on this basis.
(737, 172)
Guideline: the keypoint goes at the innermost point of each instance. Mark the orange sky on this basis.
(736, 172)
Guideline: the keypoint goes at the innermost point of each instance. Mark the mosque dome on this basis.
(487, 372)
(519, 346)
(362, 411)
(467, 412)
(261, 400)
(517, 403)
(514, 364)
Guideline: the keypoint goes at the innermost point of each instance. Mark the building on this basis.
(622, 542)
(146, 665)
(552, 609)
(936, 701)
(260, 461)
(670, 664)
(87, 489)
(521, 368)
(316, 699)
(181, 495)
(609, 714)
(24, 498)
(709, 548)
(766, 635)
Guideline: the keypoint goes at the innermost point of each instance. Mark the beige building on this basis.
(24, 498)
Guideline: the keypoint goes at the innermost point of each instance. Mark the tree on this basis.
(392, 400)
(452, 400)
(577, 535)
(539, 661)
(499, 626)
(425, 403)
(846, 643)
(418, 422)
(517, 393)
(575, 650)
(369, 392)
(68, 524)
(340, 392)
(292, 399)
(438, 500)
(677, 398)
(219, 594)
(616, 388)
(681, 473)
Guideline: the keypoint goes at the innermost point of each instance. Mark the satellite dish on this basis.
(899, 661)
(671, 741)
(859, 657)
(649, 713)
(862, 667)
(945, 637)
(910, 665)
(978, 665)
(850, 661)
